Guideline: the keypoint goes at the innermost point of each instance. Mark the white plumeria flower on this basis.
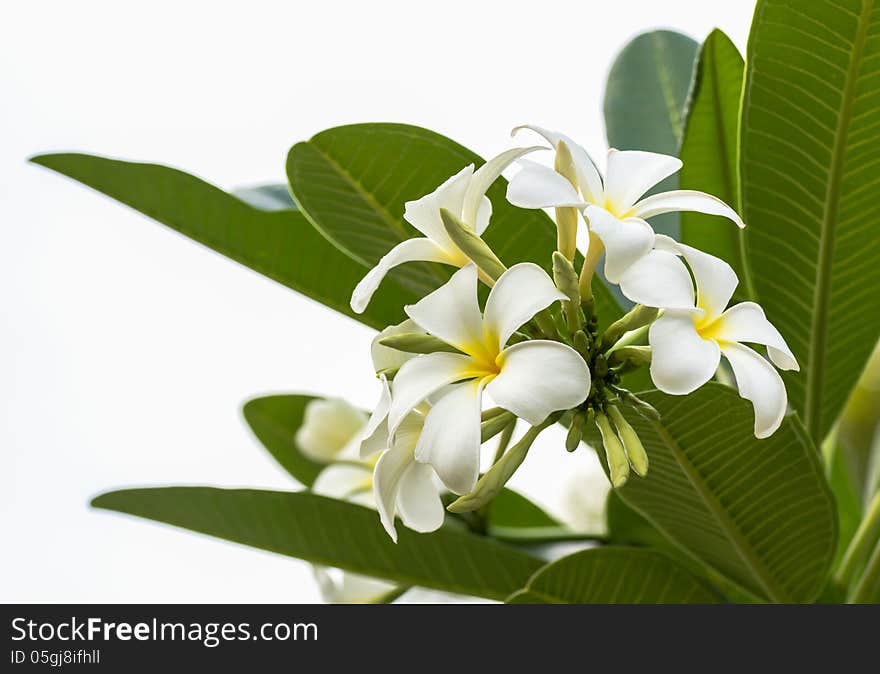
(612, 206)
(464, 195)
(531, 379)
(687, 341)
(331, 429)
(400, 484)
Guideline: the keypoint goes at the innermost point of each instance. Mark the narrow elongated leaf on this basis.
(281, 244)
(709, 152)
(645, 99)
(810, 166)
(759, 512)
(613, 575)
(334, 533)
(275, 420)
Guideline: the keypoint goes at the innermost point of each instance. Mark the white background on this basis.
(125, 350)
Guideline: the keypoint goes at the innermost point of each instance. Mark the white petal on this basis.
(484, 214)
(681, 360)
(328, 427)
(346, 482)
(487, 174)
(451, 312)
(685, 200)
(659, 279)
(424, 213)
(539, 377)
(422, 376)
(746, 322)
(537, 186)
(384, 357)
(589, 181)
(518, 294)
(410, 250)
(387, 474)
(344, 587)
(625, 240)
(759, 382)
(716, 281)
(631, 173)
(450, 439)
(418, 500)
(376, 437)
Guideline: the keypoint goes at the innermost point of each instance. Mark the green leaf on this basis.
(275, 420)
(613, 575)
(353, 181)
(810, 151)
(645, 100)
(759, 512)
(281, 244)
(708, 150)
(334, 533)
(269, 197)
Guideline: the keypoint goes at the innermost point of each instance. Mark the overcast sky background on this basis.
(126, 349)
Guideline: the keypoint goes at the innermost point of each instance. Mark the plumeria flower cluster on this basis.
(534, 348)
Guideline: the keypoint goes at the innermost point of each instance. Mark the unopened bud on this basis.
(646, 410)
(618, 464)
(575, 432)
(492, 424)
(582, 343)
(631, 357)
(470, 243)
(638, 317)
(638, 458)
(416, 342)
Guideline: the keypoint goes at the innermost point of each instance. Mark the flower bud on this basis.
(415, 342)
(566, 217)
(567, 281)
(470, 243)
(638, 458)
(630, 358)
(637, 317)
(575, 432)
(618, 464)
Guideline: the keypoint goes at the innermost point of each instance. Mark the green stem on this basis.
(631, 337)
(862, 542)
(869, 584)
(504, 440)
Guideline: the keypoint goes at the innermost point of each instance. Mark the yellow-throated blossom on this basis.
(688, 340)
(612, 206)
(530, 379)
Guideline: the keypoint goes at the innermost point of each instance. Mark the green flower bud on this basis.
(470, 243)
(567, 281)
(639, 316)
(582, 344)
(575, 432)
(493, 422)
(638, 458)
(618, 464)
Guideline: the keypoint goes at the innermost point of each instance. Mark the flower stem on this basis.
(865, 537)
(504, 440)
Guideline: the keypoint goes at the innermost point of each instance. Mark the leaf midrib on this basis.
(726, 524)
(822, 288)
(672, 112)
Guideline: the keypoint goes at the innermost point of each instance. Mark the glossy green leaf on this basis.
(810, 168)
(709, 152)
(353, 181)
(334, 533)
(759, 512)
(645, 100)
(275, 420)
(279, 244)
(613, 575)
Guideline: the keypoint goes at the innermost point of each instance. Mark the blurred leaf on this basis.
(613, 575)
(281, 245)
(334, 533)
(810, 151)
(353, 181)
(708, 150)
(275, 420)
(270, 197)
(759, 512)
(645, 100)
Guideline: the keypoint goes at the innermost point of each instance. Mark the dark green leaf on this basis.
(613, 575)
(810, 152)
(334, 533)
(275, 420)
(645, 99)
(708, 150)
(758, 512)
(281, 245)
